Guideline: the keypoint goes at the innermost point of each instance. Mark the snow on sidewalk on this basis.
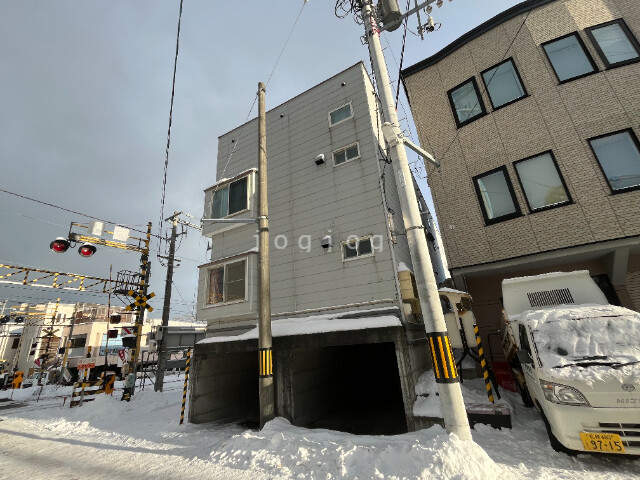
(142, 439)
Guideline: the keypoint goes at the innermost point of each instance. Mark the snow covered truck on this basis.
(576, 358)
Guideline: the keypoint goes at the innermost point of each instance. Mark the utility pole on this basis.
(145, 273)
(265, 352)
(453, 410)
(162, 345)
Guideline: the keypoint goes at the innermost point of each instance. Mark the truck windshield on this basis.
(567, 340)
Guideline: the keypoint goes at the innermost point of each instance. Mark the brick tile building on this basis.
(535, 118)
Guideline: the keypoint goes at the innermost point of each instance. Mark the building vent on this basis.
(550, 297)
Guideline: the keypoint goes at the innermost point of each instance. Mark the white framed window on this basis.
(227, 282)
(356, 248)
(231, 198)
(346, 154)
(340, 114)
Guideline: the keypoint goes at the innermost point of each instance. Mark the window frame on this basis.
(635, 141)
(358, 256)
(490, 221)
(630, 36)
(483, 110)
(569, 200)
(486, 87)
(344, 119)
(584, 49)
(224, 275)
(344, 149)
(227, 186)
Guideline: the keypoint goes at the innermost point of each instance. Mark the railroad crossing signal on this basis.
(49, 332)
(140, 301)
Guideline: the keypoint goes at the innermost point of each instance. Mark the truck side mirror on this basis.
(524, 357)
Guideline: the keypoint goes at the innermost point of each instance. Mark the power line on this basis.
(69, 211)
(166, 159)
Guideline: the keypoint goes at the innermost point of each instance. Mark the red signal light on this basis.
(59, 245)
(86, 250)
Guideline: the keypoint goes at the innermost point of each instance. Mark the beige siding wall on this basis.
(553, 117)
(307, 202)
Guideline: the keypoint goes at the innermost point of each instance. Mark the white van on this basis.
(580, 362)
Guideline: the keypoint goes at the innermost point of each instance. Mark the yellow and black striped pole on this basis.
(483, 364)
(186, 383)
(444, 364)
(265, 362)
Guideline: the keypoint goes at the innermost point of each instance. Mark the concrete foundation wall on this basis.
(224, 387)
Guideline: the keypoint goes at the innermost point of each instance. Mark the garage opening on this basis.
(227, 389)
(351, 388)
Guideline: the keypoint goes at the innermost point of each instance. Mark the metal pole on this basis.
(453, 410)
(145, 273)
(162, 346)
(186, 384)
(265, 356)
(106, 345)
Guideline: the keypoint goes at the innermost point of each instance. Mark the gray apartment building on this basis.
(535, 117)
(342, 330)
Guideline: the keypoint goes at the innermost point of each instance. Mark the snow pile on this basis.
(585, 342)
(325, 454)
(314, 324)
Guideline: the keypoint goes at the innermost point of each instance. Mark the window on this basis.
(619, 157)
(340, 114)
(360, 247)
(569, 57)
(227, 283)
(345, 154)
(503, 84)
(541, 182)
(16, 342)
(466, 102)
(615, 43)
(230, 199)
(496, 196)
(79, 342)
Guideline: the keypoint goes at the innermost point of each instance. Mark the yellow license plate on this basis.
(602, 442)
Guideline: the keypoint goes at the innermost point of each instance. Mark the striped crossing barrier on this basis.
(483, 364)
(90, 389)
(444, 364)
(186, 383)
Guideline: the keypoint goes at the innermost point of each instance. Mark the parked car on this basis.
(576, 359)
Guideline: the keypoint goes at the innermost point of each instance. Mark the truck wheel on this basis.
(555, 443)
(524, 393)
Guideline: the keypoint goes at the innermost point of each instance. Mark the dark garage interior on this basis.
(351, 388)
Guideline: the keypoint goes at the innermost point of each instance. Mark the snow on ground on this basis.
(142, 439)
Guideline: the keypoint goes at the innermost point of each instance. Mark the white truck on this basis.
(576, 358)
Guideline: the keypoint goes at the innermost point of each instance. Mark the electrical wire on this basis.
(404, 39)
(487, 83)
(166, 159)
(70, 211)
(255, 98)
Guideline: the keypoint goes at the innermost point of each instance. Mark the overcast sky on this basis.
(85, 91)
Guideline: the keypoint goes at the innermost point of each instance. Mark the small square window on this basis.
(618, 154)
(466, 102)
(360, 247)
(230, 199)
(346, 154)
(227, 283)
(340, 114)
(503, 84)
(569, 57)
(615, 43)
(541, 182)
(497, 199)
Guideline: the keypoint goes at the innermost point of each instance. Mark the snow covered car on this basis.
(579, 363)
(32, 380)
